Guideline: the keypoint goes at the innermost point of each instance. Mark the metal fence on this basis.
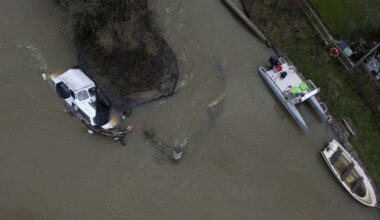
(364, 81)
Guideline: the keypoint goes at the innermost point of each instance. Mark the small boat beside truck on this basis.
(84, 100)
(291, 89)
(349, 173)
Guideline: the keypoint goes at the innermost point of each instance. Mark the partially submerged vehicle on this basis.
(83, 99)
(291, 89)
(349, 173)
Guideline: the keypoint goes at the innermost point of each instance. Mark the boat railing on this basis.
(311, 85)
(282, 60)
(324, 107)
(310, 91)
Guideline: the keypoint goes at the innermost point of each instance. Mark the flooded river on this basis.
(244, 156)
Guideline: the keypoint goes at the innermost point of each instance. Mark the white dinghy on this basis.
(349, 173)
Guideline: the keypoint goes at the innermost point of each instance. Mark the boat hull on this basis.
(370, 197)
(116, 132)
(292, 109)
(314, 103)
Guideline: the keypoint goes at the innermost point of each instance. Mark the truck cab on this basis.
(79, 94)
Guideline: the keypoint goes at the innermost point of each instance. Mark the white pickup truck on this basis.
(79, 94)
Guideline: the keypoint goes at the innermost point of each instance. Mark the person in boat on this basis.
(275, 64)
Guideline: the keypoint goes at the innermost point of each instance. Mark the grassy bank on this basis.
(350, 18)
(290, 30)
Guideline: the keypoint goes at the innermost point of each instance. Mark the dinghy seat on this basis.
(357, 187)
(335, 156)
(303, 86)
(347, 171)
(295, 90)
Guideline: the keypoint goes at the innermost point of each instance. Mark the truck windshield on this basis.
(82, 95)
(92, 91)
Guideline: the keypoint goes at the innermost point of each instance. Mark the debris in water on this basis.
(215, 107)
(177, 153)
(149, 133)
(217, 101)
(130, 128)
(183, 83)
(44, 77)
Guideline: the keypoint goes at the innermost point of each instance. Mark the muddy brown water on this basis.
(245, 158)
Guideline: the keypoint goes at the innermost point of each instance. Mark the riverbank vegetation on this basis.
(350, 19)
(120, 48)
(289, 29)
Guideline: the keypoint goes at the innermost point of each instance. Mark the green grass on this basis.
(292, 32)
(348, 18)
